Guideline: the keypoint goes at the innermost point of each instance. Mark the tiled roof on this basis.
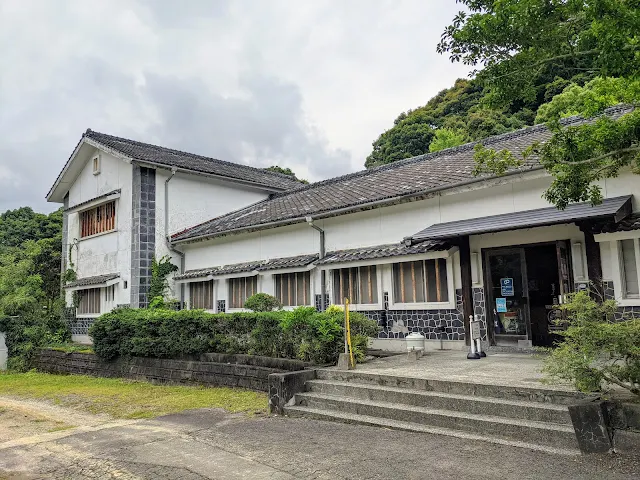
(630, 223)
(88, 281)
(408, 178)
(257, 265)
(145, 152)
(104, 195)
(382, 251)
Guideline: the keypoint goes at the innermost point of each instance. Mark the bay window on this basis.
(293, 289)
(99, 219)
(630, 267)
(240, 289)
(201, 295)
(358, 284)
(421, 281)
(89, 301)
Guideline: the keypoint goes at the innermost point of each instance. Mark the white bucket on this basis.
(415, 341)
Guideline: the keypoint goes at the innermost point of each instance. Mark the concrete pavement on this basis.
(211, 444)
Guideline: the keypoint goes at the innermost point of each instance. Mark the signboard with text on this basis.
(506, 287)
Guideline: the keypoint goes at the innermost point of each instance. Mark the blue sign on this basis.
(506, 287)
(501, 305)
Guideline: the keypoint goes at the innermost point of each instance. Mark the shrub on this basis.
(26, 334)
(303, 333)
(262, 302)
(596, 351)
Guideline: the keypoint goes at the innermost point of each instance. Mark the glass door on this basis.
(507, 295)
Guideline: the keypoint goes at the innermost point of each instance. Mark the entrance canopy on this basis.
(615, 209)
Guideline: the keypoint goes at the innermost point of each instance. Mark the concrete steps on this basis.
(535, 418)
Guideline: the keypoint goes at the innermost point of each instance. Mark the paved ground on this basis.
(515, 369)
(212, 444)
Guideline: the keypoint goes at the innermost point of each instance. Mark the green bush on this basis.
(262, 302)
(26, 334)
(596, 351)
(303, 333)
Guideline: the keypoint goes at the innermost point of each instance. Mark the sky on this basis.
(307, 85)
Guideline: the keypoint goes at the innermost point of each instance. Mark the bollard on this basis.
(473, 354)
(479, 340)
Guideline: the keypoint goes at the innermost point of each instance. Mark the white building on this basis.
(419, 245)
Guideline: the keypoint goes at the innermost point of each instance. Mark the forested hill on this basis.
(464, 113)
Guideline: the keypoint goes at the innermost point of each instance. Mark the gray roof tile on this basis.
(195, 163)
(104, 195)
(381, 251)
(88, 281)
(628, 224)
(257, 265)
(411, 177)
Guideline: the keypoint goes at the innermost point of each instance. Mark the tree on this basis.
(285, 171)
(446, 138)
(518, 41)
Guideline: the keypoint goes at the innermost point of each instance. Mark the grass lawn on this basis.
(125, 398)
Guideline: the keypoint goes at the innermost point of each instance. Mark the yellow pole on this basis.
(348, 331)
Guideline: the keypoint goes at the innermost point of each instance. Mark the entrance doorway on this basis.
(525, 285)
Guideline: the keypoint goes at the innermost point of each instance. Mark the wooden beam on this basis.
(594, 262)
(467, 291)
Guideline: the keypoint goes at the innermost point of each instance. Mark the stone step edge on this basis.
(511, 388)
(549, 426)
(415, 427)
(434, 393)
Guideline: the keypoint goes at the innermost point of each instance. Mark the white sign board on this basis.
(475, 330)
(3, 352)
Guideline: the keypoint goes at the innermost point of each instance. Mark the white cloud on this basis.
(308, 85)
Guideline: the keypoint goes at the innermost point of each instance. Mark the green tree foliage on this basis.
(596, 351)
(262, 302)
(518, 42)
(30, 300)
(446, 138)
(285, 171)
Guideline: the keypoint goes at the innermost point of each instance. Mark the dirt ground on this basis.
(39, 440)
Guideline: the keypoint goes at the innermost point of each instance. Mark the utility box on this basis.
(4, 352)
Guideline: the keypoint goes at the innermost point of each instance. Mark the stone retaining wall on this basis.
(246, 371)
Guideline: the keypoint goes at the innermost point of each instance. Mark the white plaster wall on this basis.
(281, 242)
(392, 224)
(110, 252)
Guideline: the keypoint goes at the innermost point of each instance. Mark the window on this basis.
(97, 220)
(421, 281)
(293, 289)
(630, 262)
(240, 289)
(95, 161)
(89, 301)
(358, 284)
(201, 295)
(109, 297)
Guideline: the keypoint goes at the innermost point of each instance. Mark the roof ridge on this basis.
(88, 133)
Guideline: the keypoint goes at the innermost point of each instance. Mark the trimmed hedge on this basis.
(302, 334)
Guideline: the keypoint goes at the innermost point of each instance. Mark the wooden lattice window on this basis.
(358, 284)
(201, 295)
(240, 289)
(97, 220)
(420, 281)
(293, 289)
(89, 301)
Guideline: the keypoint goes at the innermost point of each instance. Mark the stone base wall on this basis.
(445, 324)
(246, 371)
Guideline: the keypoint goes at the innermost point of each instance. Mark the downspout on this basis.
(323, 278)
(167, 237)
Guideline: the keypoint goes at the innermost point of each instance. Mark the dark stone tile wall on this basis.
(221, 306)
(447, 324)
(80, 326)
(623, 312)
(143, 233)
